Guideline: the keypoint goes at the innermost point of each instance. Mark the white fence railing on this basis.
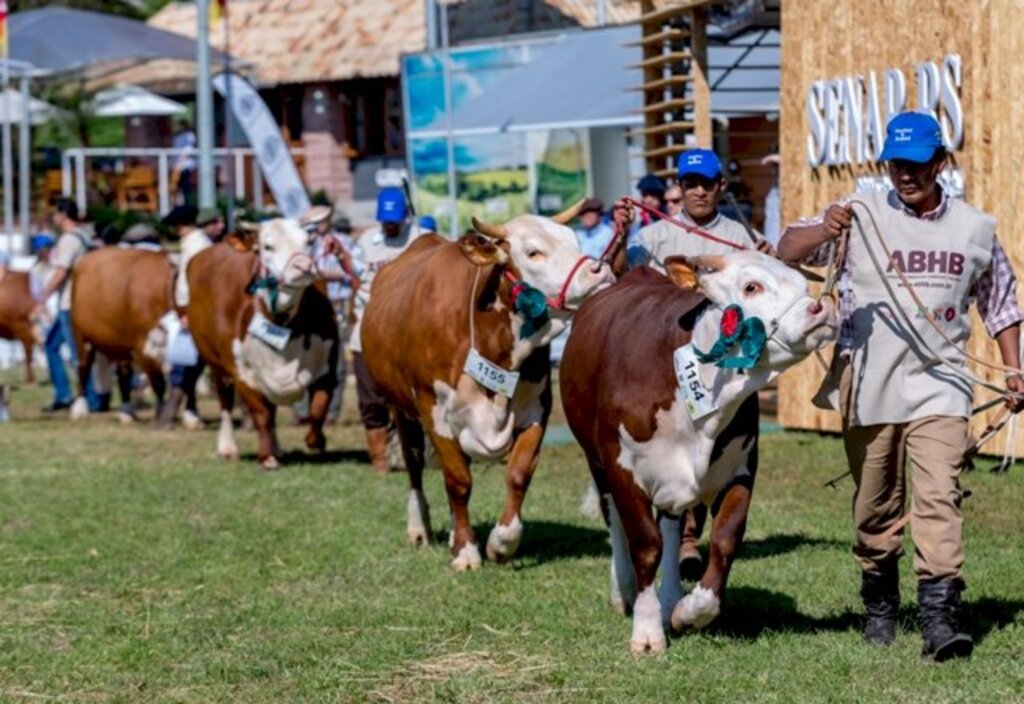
(74, 171)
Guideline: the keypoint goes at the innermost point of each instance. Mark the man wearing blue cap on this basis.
(700, 178)
(374, 249)
(897, 399)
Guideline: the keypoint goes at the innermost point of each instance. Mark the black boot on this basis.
(881, 594)
(938, 603)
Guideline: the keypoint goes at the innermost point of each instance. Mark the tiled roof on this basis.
(302, 41)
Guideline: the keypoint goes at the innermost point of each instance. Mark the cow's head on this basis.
(283, 246)
(762, 287)
(544, 254)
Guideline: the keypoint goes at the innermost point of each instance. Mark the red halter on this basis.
(558, 302)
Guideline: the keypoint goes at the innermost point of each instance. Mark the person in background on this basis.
(897, 401)
(593, 234)
(374, 249)
(73, 241)
(212, 223)
(141, 236)
(772, 203)
(39, 274)
(332, 253)
(674, 199)
(427, 223)
(652, 194)
(185, 164)
(183, 378)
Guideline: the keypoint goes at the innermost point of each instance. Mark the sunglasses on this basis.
(691, 182)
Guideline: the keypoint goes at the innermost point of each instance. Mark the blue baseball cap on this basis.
(391, 205)
(41, 240)
(702, 162)
(427, 223)
(913, 136)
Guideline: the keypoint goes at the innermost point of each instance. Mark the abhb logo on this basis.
(916, 261)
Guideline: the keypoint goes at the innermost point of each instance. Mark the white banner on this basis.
(265, 138)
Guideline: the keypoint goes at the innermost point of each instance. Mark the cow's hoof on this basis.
(467, 559)
(125, 418)
(695, 610)
(191, 421)
(691, 563)
(270, 464)
(651, 643)
(417, 519)
(316, 442)
(503, 541)
(79, 409)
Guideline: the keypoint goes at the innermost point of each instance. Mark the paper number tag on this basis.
(697, 397)
(490, 375)
(274, 335)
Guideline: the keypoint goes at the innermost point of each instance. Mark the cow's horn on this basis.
(714, 262)
(248, 227)
(496, 232)
(566, 216)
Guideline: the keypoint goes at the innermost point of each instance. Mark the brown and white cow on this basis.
(266, 331)
(118, 297)
(629, 377)
(430, 308)
(16, 304)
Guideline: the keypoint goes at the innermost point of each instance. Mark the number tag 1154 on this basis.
(697, 397)
(490, 375)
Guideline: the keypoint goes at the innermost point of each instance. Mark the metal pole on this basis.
(453, 210)
(8, 165)
(163, 192)
(229, 216)
(80, 193)
(24, 158)
(431, 12)
(204, 106)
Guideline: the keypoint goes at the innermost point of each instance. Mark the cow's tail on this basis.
(590, 503)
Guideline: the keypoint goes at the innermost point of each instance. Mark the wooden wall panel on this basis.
(823, 40)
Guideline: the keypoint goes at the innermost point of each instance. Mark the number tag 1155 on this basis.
(698, 398)
(490, 375)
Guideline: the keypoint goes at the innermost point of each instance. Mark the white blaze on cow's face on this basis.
(285, 254)
(546, 255)
(764, 287)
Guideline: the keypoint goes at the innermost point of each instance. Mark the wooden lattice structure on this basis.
(677, 98)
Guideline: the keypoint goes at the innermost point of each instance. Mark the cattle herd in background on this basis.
(456, 337)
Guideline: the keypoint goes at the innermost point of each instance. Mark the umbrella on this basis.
(127, 101)
(39, 111)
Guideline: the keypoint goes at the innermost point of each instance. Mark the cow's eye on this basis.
(752, 288)
(535, 254)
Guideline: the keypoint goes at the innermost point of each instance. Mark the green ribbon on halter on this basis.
(532, 305)
(271, 285)
(749, 334)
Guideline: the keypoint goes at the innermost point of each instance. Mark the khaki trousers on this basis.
(877, 455)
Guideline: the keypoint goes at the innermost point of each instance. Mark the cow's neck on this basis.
(730, 387)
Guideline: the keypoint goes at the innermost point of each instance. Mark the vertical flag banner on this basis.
(3, 29)
(265, 138)
(218, 10)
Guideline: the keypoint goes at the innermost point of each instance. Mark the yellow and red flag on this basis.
(3, 28)
(218, 10)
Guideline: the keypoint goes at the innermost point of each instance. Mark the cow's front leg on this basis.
(701, 606)
(261, 411)
(506, 534)
(458, 483)
(633, 512)
(417, 514)
(319, 402)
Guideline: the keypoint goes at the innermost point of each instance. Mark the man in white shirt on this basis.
(375, 248)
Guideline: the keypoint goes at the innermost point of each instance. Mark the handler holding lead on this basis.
(897, 401)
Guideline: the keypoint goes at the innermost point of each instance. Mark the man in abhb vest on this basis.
(897, 401)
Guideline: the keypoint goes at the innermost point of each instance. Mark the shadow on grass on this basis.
(291, 458)
(784, 543)
(749, 613)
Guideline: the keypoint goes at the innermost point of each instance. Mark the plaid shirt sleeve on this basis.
(996, 293)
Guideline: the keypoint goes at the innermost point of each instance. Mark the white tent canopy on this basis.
(131, 101)
(39, 111)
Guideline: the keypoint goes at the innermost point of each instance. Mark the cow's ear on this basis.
(682, 273)
(482, 251)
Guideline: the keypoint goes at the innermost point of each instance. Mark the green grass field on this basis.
(136, 567)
